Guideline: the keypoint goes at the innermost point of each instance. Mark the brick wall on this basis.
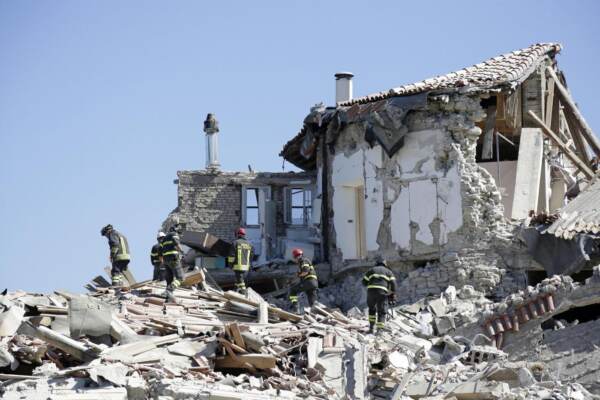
(212, 202)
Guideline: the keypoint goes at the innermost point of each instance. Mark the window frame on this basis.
(258, 188)
(289, 205)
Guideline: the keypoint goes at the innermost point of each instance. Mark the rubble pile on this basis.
(210, 344)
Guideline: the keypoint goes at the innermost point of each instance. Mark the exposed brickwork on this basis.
(212, 201)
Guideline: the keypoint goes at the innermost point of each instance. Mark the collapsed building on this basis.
(428, 175)
(479, 187)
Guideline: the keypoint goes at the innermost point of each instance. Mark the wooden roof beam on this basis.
(571, 108)
(581, 166)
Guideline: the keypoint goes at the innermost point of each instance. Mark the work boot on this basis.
(169, 297)
(296, 308)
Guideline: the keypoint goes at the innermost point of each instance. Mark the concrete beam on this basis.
(529, 169)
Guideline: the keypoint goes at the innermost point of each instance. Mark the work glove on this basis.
(392, 297)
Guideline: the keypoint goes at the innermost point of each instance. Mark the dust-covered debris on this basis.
(209, 344)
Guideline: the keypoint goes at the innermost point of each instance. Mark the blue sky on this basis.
(101, 102)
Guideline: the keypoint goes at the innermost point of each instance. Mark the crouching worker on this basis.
(308, 281)
(381, 285)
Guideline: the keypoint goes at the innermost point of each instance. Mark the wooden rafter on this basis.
(572, 110)
(581, 166)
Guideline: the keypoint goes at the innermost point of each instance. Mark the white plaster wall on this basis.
(425, 193)
(508, 174)
(449, 204)
(374, 199)
(417, 157)
(316, 203)
(400, 217)
(347, 174)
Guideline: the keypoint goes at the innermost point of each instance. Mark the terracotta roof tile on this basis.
(496, 71)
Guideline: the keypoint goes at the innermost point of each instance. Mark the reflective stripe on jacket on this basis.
(242, 255)
(169, 246)
(380, 277)
(306, 270)
(155, 254)
(119, 248)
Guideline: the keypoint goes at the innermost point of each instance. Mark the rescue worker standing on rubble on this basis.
(170, 253)
(157, 274)
(240, 260)
(119, 254)
(308, 284)
(381, 286)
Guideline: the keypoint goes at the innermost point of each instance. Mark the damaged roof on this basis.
(497, 71)
(581, 215)
(506, 70)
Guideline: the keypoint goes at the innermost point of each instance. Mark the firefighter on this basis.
(240, 260)
(119, 254)
(381, 286)
(155, 259)
(170, 252)
(308, 284)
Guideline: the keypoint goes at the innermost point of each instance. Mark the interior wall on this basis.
(508, 173)
(423, 196)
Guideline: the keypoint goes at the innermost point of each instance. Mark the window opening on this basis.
(300, 206)
(252, 217)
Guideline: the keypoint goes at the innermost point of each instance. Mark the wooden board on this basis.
(259, 361)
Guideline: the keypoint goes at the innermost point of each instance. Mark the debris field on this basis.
(210, 344)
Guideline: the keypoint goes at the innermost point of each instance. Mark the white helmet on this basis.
(160, 235)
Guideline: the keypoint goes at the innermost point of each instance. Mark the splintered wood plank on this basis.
(259, 361)
(237, 335)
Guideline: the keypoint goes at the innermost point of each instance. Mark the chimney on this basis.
(343, 87)
(211, 128)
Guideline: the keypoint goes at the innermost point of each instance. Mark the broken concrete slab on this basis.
(89, 316)
(10, 320)
(191, 348)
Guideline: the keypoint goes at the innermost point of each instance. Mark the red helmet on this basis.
(241, 232)
(297, 253)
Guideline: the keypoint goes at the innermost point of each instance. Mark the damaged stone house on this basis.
(427, 175)
(275, 209)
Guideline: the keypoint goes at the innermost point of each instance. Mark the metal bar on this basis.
(506, 139)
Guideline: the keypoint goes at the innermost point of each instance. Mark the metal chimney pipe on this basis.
(211, 128)
(343, 87)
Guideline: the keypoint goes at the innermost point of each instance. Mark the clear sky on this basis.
(101, 102)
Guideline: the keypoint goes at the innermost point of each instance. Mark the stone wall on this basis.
(208, 202)
(212, 201)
